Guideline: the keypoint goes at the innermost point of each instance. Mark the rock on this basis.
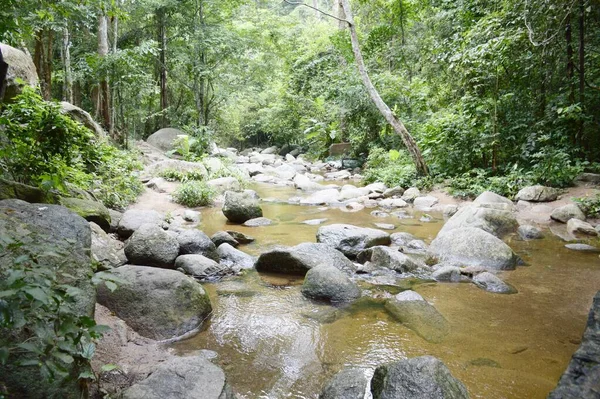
(450, 210)
(196, 242)
(425, 218)
(492, 283)
(582, 247)
(537, 194)
(402, 238)
(418, 245)
(107, 251)
(350, 383)
(301, 258)
(240, 207)
(410, 309)
(349, 191)
(83, 117)
(410, 194)
(492, 200)
(20, 67)
(13, 190)
(223, 184)
(528, 232)
(200, 267)
(567, 212)
(115, 218)
(593, 178)
(258, 222)
(254, 168)
(447, 273)
(385, 226)
(183, 378)
(92, 211)
(326, 282)
(393, 192)
(473, 247)
(234, 258)
(380, 214)
(270, 150)
(494, 221)
(350, 240)
(389, 258)
(285, 171)
(191, 216)
(157, 303)
(222, 237)
(241, 237)
(341, 175)
(134, 218)
(152, 246)
(393, 203)
(314, 222)
(425, 202)
(581, 379)
(322, 197)
(576, 226)
(352, 207)
(164, 139)
(424, 377)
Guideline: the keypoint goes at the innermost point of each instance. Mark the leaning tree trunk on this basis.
(387, 113)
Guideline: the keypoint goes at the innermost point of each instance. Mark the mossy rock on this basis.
(12, 190)
(92, 211)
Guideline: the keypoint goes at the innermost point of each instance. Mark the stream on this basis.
(274, 343)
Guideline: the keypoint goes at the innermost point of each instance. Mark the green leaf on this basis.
(87, 375)
(88, 351)
(109, 367)
(38, 294)
(4, 352)
(30, 347)
(63, 357)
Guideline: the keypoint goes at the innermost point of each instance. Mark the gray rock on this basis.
(200, 267)
(410, 194)
(494, 221)
(351, 240)
(492, 200)
(134, 218)
(92, 211)
(223, 184)
(152, 246)
(183, 378)
(222, 237)
(447, 273)
(581, 379)
(258, 222)
(115, 218)
(240, 207)
(425, 202)
(537, 194)
(410, 309)
(301, 258)
(393, 203)
(20, 67)
(350, 383)
(384, 226)
(157, 303)
(107, 251)
(576, 226)
(234, 258)
(270, 150)
(582, 248)
(393, 192)
(567, 212)
(326, 282)
(401, 238)
(314, 222)
(593, 178)
(380, 214)
(241, 237)
(492, 283)
(83, 117)
(528, 232)
(157, 168)
(322, 197)
(417, 245)
(388, 258)
(13, 190)
(422, 377)
(450, 210)
(163, 139)
(473, 247)
(196, 242)
(191, 216)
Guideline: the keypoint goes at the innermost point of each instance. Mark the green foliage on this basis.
(590, 205)
(181, 175)
(394, 168)
(194, 193)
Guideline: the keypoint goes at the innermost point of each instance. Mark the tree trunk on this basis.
(43, 61)
(570, 65)
(113, 106)
(162, 40)
(341, 14)
(581, 68)
(103, 92)
(68, 80)
(398, 126)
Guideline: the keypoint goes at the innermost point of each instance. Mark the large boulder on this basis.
(106, 251)
(581, 379)
(410, 309)
(197, 242)
(83, 117)
(164, 139)
(537, 194)
(20, 67)
(473, 247)
(152, 246)
(350, 383)
(490, 199)
(233, 258)
(567, 212)
(322, 197)
(157, 303)
(424, 377)
(351, 240)
(240, 207)
(495, 221)
(301, 258)
(326, 282)
(92, 211)
(183, 378)
(389, 258)
(200, 267)
(132, 219)
(13, 190)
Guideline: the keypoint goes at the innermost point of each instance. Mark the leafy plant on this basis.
(590, 205)
(181, 175)
(193, 194)
(394, 168)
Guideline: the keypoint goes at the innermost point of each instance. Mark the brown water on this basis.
(274, 343)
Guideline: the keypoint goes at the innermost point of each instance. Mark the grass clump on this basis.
(194, 193)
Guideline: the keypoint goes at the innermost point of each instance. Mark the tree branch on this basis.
(316, 9)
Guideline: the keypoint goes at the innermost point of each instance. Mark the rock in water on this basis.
(528, 232)
(234, 259)
(222, 237)
(389, 258)
(347, 384)
(473, 247)
(134, 218)
(424, 377)
(492, 283)
(495, 221)
(537, 194)
(350, 240)
(164, 139)
(241, 237)
(582, 377)
(196, 242)
(410, 309)
(157, 303)
(328, 283)
(152, 246)
(200, 267)
(566, 212)
(183, 378)
(240, 207)
(258, 222)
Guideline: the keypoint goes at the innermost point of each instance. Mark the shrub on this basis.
(590, 205)
(181, 175)
(193, 194)
(394, 168)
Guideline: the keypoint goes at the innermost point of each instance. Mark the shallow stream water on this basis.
(274, 343)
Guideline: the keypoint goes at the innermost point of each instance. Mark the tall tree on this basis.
(103, 103)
